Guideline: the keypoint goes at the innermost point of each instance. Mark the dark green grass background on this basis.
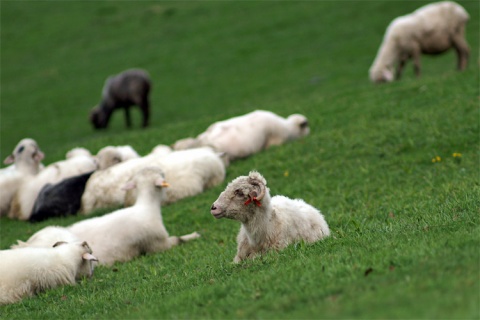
(405, 236)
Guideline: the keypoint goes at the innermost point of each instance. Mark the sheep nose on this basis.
(213, 207)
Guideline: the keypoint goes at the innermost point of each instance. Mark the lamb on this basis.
(242, 136)
(60, 199)
(110, 155)
(126, 233)
(431, 29)
(131, 87)
(26, 159)
(189, 172)
(24, 199)
(27, 271)
(267, 222)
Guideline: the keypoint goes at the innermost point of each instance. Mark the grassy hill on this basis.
(405, 230)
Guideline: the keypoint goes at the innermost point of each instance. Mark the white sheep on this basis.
(26, 159)
(125, 233)
(242, 136)
(24, 199)
(431, 29)
(78, 151)
(267, 222)
(27, 271)
(111, 155)
(189, 172)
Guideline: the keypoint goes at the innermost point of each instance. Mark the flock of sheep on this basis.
(118, 176)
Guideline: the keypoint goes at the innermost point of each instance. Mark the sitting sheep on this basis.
(27, 271)
(125, 233)
(131, 87)
(431, 29)
(60, 199)
(189, 173)
(24, 199)
(267, 223)
(26, 159)
(110, 155)
(242, 136)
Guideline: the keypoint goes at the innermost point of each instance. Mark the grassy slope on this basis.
(367, 163)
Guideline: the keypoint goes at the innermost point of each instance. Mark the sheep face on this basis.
(99, 117)
(26, 150)
(85, 269)
(241, 198)
(300, 125)
(381, 75)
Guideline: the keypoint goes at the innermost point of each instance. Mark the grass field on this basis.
(405, 230)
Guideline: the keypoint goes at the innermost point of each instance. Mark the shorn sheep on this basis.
(189, 172)
(242, 136)
(431, 29)
(131, 87)
(267, 222)
(26, 162)
(24, 199)
(27, 271)
(125, 233)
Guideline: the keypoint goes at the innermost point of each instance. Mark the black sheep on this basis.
(129, 88)
(61, 199)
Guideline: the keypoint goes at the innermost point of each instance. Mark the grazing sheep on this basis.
(125, 233)
(431, 29)
(267, 223)
(26, 159)
(242, 136)
(110, 155)
(27, 271)
(61, 199)
(131, 87)
(189, 173)
(24, 199)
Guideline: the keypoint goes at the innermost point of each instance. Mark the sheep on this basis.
(60, 199)
(126, 233)
(110, 155)
(128, 88)
(27, 271)
(431, 29)
(242, 136)
(26, 159)
(47, 237)
(78, 151)
(189, 172)
(24, 199)
(267, 222)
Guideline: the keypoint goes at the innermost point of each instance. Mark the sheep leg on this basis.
(400, 67)
(463, 51)
(416, 63)
(128, 120)
(175, 241)
(145, 107)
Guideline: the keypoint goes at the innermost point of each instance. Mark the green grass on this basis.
(405, 230)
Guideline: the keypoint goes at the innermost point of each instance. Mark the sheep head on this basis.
(86, 265)
(27, 150)
(242, 198)
(299, 126)
(99, 117)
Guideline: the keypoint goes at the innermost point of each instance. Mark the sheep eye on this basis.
(20, 150)
(304, 124)
(238, 193)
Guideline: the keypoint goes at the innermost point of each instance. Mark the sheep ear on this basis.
(388, 75)
(9, 160)
(129, 186)
(59, 243)
(89, 257)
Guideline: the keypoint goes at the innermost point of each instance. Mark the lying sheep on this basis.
(431, 29)
(27, 271)
(242, 136)
(60, 199)
(267, 223)
(110, 155)
(26, 159)
(24, 199)
(131, 87)
(78, 151)
(47, 237)
(125, 233)
(189, 173)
